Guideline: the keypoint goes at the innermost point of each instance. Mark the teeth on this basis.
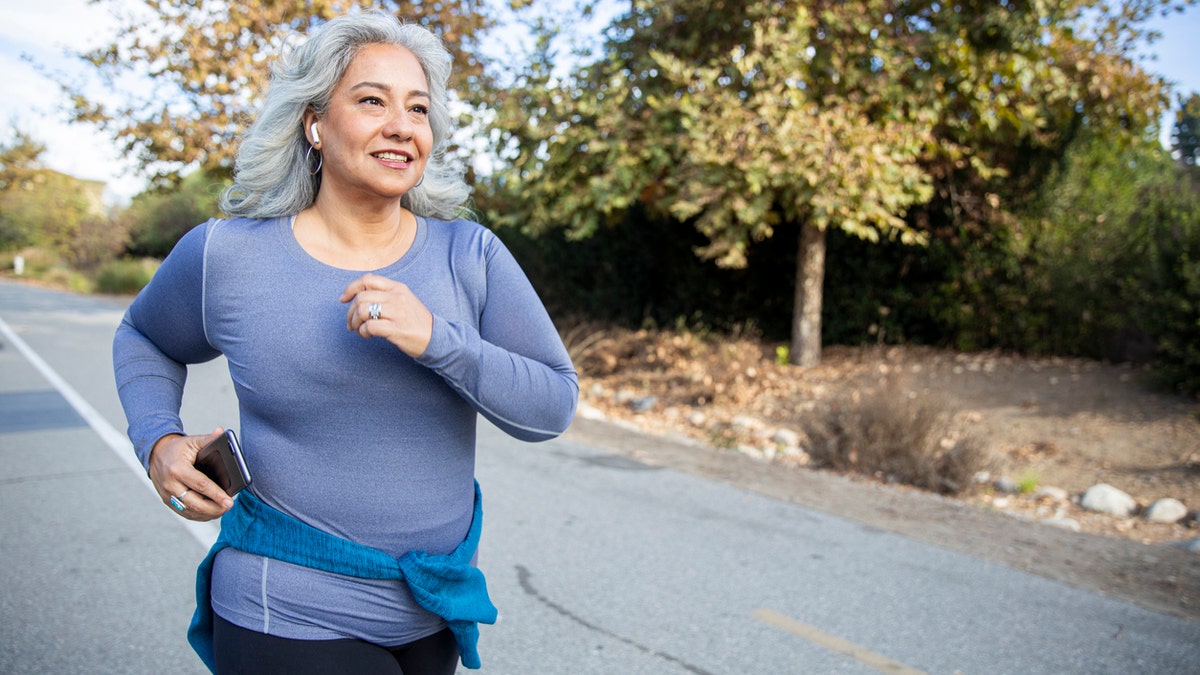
(393, 156)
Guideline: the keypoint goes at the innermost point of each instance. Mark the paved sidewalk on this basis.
(96, 574)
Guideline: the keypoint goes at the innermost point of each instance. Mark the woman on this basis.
(364, 330)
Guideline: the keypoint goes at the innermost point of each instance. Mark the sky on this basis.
(43, 31)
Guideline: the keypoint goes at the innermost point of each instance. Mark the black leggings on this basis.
(239, 651)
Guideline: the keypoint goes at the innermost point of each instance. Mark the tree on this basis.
(20, 160)
(207, 64)
(1185, 135)
(158, 218)
(775, 148)
(41, 207)
(20, 165)
(1114, 261)
(732, 117)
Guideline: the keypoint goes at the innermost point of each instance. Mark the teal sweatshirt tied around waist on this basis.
(447, 585)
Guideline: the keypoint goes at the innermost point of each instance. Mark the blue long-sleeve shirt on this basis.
(349, 435)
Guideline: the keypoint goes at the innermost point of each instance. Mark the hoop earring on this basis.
(320, 161)
(419, 182)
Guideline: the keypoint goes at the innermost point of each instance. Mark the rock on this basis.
(589, 412)
(1166, 511)
(1053, 493)
(751, 451)
(1064, 523)
(786, 437)
(744, 423)
(643, 404)
(1006, 485)
(796, 456)
(1193, 545)
(696, 419)
(1104, 498)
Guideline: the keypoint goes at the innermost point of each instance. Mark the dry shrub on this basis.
(899, 437)
(585, 340)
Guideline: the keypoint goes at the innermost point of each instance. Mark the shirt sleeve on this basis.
(514, 370)
(162, 332)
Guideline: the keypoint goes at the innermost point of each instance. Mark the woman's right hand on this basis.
(179, 483)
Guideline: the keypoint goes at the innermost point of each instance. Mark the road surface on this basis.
(598, 563)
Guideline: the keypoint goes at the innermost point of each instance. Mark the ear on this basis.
(312, 128)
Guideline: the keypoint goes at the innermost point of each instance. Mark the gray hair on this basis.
(271, 171)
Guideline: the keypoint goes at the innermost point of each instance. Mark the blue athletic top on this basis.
(350, 436)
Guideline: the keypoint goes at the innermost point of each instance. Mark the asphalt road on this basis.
(599, 564)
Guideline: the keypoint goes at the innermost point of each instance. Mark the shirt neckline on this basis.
(286, 224)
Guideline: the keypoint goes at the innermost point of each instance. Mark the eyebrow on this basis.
(388, 88)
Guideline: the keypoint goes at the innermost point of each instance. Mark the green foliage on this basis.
(171, 48)
(20, 161)
(1116, 250)
(20, 172)
(96, 241)
(760, 144)
(45, 208)
(1185, 134)
(38, 262)
(158, 218)
(125, 276)
(1028, 483)
(878, 119)
(782, 357)
(1160, 286)
(48, 267)
(1102, 265)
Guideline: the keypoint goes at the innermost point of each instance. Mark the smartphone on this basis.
(222, 461)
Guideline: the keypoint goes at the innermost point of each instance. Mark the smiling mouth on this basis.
(393, 157)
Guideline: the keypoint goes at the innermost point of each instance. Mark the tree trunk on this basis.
(806, 306)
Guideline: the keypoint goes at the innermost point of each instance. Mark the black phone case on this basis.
(221, 460)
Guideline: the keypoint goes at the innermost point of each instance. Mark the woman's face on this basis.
(375, 135)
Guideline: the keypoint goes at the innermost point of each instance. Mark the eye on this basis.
(371, 100)
(420, 109)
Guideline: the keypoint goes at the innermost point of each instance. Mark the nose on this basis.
(399, 126)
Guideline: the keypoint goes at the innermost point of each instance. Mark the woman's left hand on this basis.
(381, 307)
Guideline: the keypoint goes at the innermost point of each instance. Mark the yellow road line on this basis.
(834, 643)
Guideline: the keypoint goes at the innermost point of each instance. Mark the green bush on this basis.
(125, 276)
(38, 262)
(1163, 292)
(1115, 262)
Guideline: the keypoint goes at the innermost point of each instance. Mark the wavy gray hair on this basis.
(271, 170)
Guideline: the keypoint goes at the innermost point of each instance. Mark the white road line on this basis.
(205, 533)
(834, 643)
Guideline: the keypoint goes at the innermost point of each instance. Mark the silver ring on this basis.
(177, 502)
(375, 310)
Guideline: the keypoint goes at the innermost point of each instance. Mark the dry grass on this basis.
(899, 437)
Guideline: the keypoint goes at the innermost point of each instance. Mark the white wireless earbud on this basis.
(315, 135)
